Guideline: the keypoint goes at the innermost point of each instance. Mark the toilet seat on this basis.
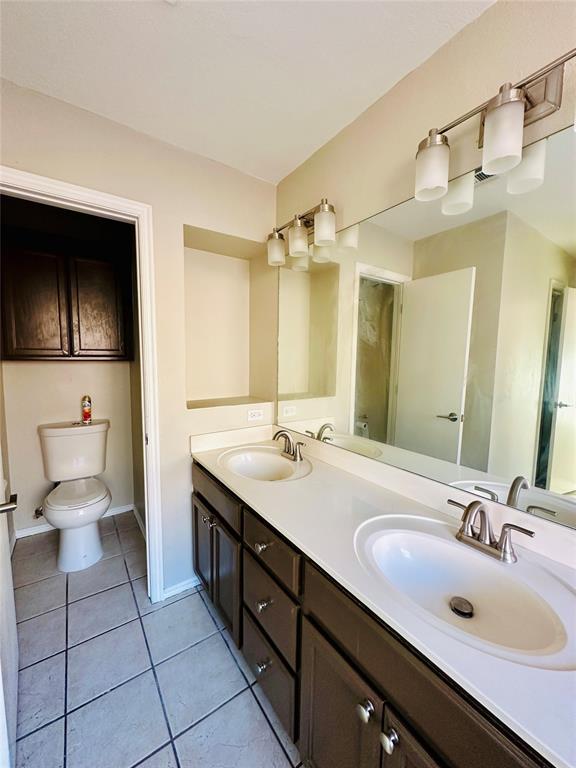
(72, 494)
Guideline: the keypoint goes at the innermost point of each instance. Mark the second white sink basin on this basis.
(265, 463)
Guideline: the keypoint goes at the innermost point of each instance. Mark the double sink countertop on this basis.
(326, 514)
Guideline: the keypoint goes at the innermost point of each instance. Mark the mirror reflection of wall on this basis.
(457, 339)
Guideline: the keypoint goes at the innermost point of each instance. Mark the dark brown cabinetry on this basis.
(399, 747)
(66, 284)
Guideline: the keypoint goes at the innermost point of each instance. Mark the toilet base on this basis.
(79, 548)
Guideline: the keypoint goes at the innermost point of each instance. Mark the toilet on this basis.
(73, 453)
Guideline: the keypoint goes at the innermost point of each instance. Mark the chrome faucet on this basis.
(292, 450)
(483, 538)
(324, 428)
(518, 484)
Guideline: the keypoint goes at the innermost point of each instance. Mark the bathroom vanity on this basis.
(356, 673)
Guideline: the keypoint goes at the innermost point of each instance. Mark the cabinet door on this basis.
(34, 303)
(341, 716)
(97, 308)
(202, 521)
(226, 594)
(400, 749)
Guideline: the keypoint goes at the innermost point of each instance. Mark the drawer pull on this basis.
(204, 519)
(262, 666)
(262, 546)
(261, 605)
(365, 710)
(389, 741)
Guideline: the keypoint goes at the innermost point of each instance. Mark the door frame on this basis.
(30, 186)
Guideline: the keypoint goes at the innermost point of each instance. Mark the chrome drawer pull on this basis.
(389, 741)
(262, 546)
(212, 523)
(365, 710)
(262, 666)
(204, 519)
(261, 605)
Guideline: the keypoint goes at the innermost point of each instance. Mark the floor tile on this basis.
(40, 694)
(145, 606)
(41, 637)
(118, 729)
(165, 758)
(177, 626)
(240, 660)
(27, 570)
(111, 545)
(105, 574)
(99, 613)
(125, 520)
(39, 542)
(211, 610)
(43, 749)
(197, 681)
(136, 563)
(106, 525)
(235, 736)
(104, 662)
(285, 740)
(40, 597)
(131, 538)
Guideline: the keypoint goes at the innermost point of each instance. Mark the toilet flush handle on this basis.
(11, 505)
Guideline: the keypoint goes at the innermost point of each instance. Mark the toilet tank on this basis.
(72, 450)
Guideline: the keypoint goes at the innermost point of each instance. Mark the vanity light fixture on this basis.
(502, 121)
(301, 263)
(325, 224)
(348, 238)
(298, 238)
(319, 253)
(460, 196)
(275, 248)
(529, 174)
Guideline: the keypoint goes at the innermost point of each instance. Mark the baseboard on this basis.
(45, 527)
(180, 587)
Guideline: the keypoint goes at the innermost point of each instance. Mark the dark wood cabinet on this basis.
(341, 715)
(202, 551)
(400, 749)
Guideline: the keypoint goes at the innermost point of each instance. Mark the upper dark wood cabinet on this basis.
(66, 284)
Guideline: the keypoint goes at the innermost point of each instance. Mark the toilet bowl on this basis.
(73, 453)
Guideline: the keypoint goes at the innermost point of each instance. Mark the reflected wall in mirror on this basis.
(453, 341)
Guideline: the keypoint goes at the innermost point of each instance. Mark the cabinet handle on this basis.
(209, 521)
(262, 666)
(261, 605)
(389, 741)
(204, 519)
(365, 710)
(262, 546)
(212, 523)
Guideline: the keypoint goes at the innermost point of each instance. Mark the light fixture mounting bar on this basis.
(307, 217)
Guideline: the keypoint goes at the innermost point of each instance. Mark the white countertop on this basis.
(320, 514)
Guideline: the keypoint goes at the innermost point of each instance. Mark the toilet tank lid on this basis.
(70, 428)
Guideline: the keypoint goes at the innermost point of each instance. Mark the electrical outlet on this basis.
(255, 414)
(289, 410)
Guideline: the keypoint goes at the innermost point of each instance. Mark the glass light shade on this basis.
(298, 241)
(301, 263)
(460, 196)
(319, 253)
(349, 237)
(432, 165)
(503, 134)
(324, 228)
(276, 256)
(529, 174)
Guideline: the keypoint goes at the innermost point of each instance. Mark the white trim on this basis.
(41, 188)
(22, 533)
(182, 586)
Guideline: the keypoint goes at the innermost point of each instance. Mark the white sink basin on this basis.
(264, 463)
(516, 607)
(362, 447)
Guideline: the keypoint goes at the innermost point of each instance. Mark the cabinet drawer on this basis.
(227, 506)
(280, 557)
(457, 731)
(272, 674)
(276, 613)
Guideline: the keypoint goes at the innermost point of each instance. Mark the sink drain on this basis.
(462, 607)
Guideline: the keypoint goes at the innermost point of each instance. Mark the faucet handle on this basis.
(457, 504)
(491, 495)
(505, 547)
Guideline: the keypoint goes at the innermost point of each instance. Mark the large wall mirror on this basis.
(446, 344)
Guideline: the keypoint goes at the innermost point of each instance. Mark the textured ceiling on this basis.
(258, 86)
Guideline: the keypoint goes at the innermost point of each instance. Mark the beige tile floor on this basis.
(110, 680)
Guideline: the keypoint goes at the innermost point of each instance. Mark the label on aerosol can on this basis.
(86, 409)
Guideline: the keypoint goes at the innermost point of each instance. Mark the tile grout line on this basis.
(269, 721)
(66, 681)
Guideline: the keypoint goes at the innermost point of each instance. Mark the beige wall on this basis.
(46, 136)
(44, 392)
(293, 332)
(369, 165)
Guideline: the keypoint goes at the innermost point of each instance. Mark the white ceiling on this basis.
(256, 85)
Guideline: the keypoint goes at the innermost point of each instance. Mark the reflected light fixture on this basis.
(275, 248)
(325, 224)
(348, 238)
(319, 253)
(529, 174)
(460, 196)
(298, 238)
(503, 130)
(432, 163)
(301, 263)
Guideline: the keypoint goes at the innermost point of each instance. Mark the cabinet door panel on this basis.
(226, 594)
(202, 549)
(331, 731)
(407, 752)
(35, 312)
(97, 312)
